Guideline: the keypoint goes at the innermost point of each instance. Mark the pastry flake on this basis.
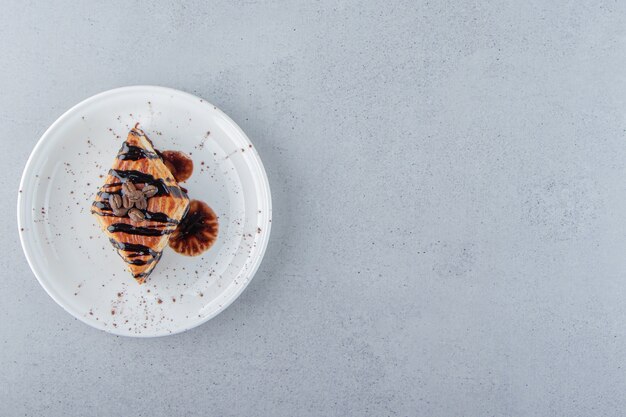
(140, 205)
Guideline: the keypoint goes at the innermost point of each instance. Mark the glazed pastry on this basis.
(139, 205)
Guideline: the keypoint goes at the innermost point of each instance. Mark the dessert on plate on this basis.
(140, 204)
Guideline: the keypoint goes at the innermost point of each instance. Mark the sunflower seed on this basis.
(136, 215)
(149, 191)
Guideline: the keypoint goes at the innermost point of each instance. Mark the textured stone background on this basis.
(449, 208)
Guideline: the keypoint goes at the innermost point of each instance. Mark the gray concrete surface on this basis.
(449, 194)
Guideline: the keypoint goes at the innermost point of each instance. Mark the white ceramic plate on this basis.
(74, 261)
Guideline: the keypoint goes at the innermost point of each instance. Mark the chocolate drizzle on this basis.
(143, 274)
(134, 153)
(105, 210)
(160, 218)
(140, 177)
(137, 230)
(137, 251)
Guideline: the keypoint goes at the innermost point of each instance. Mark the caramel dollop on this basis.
(197, 231)
(179, 163)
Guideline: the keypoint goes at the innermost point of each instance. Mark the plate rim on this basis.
(265, 188)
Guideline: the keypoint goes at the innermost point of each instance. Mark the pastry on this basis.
(139, 205)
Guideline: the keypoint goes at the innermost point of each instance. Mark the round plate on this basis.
(74, 261)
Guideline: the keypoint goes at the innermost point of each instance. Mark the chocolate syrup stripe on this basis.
(146, 272)
(143, 274)
(140, 177)
(149, 271)
(138, 230)
(140, 250)
(105, 210)
(134, 153)
(136, 250)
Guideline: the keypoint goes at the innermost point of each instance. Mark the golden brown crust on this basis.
(140, 243)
